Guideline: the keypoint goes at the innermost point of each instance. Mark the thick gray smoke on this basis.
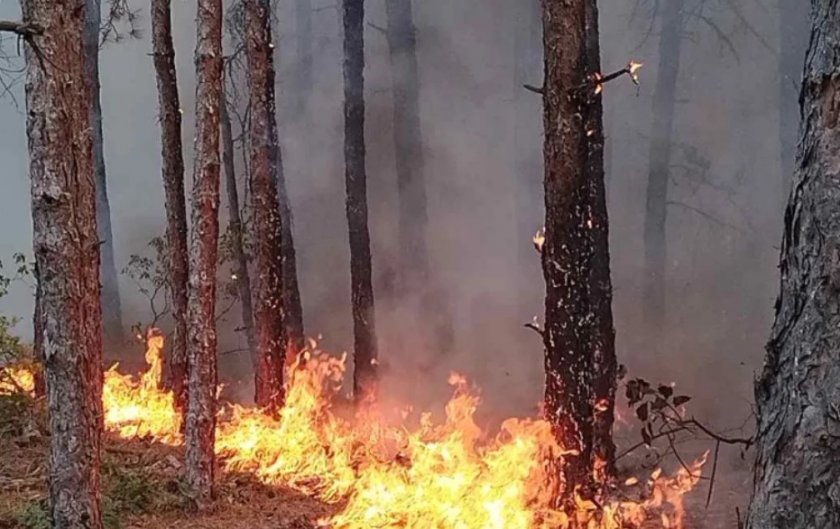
(723, 223)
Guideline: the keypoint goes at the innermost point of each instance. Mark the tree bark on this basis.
(66, 247)
(664, 99)
(269, 313)
(112, 311)
(204, 238)
(578, 323)
(797, 479)
(364, 328)
(605, 365)
(243, 276)
(172, 157)
(295, 332)
(793, 41)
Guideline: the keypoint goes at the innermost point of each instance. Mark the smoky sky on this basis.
(723, 229)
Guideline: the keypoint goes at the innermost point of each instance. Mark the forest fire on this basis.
(449, 474)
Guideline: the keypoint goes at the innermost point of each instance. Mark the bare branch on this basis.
(24, 29)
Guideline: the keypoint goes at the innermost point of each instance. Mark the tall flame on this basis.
(449, 475)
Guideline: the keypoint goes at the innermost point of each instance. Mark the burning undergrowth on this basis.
(381, 473)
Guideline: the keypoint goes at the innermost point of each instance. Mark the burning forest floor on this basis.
(313, 468)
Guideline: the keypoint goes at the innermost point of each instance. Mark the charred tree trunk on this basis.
(797, 479)
(172, 156)
(604, 363)
(664, 99)
(243, 276)
(793, 40)
(269, 313)
(578, 323)
(293, 306)
(364, 329)
(112, 311)
(66, 248)
(204, 240)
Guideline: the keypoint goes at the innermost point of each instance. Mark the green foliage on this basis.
(11, 347)
(17, 413)
(35, 515)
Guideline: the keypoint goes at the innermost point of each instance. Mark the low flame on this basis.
(446, 475)
(16, 379)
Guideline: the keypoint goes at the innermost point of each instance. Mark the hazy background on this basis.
(722, 262)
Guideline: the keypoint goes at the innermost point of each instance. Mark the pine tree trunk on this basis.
(66, 247)
(412, 222)
(604, 363)
(204, 238)
(793, 39)
(243, 276)
(364, 329)
(408, 144)
(291, 290)
(112, 311)
(578, 323)
(664, 99)
(172, 156)
(269, 313)
(797, 478)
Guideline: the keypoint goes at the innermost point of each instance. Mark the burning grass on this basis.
(375, 473)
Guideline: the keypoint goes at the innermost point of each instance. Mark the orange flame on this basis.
(16, 379)
(445, 475)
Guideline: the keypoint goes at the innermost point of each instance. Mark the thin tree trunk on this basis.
(204, 239)
(291, 290)
(797, 479)
(408, 144)
(578, 326)
(413, 218)
(112, 311)
(364, 328)
(269, 313)
(172, 156)
(664, 99)
(793, 41)
(604, 363)
(243, 276)
(66, 248)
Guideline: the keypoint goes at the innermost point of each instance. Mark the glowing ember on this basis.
(633, 68)
(447, 475)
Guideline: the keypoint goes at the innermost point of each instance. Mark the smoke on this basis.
(722, 232)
